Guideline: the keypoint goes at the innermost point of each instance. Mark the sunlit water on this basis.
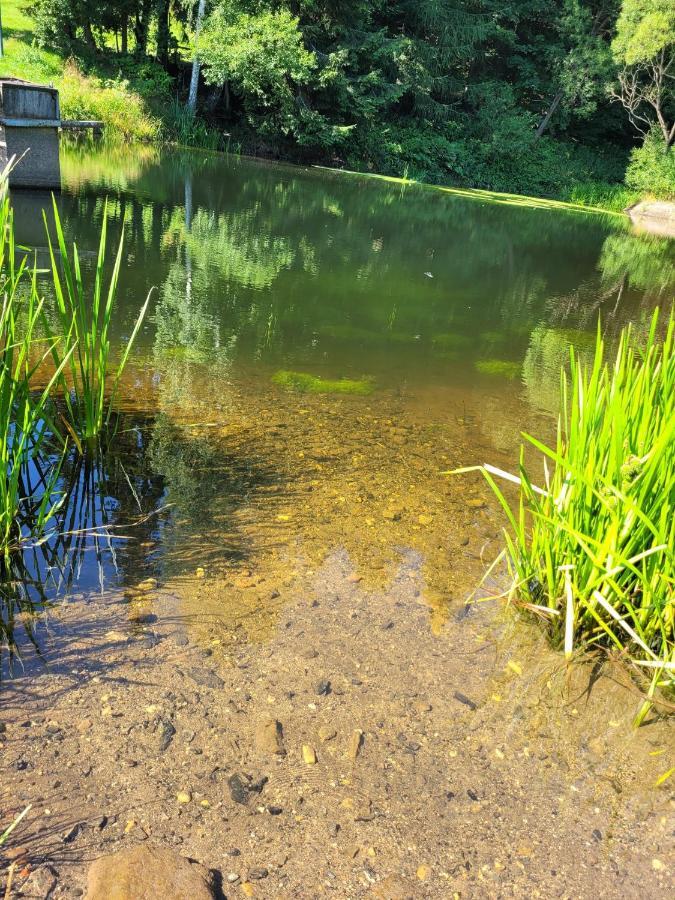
(458, 310)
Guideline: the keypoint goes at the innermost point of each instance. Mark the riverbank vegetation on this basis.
(55, 391)
(590, 543)
(572, 101)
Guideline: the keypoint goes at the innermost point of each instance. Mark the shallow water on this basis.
(457, 311)
(302, 558)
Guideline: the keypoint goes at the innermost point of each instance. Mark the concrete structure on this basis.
(29, 124)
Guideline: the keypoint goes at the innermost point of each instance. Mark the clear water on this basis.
(457, 309)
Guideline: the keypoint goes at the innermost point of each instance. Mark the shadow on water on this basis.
(126, 512)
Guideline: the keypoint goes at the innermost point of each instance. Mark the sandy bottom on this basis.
(317, 578)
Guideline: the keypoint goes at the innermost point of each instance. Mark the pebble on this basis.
(183, 797)
(423, 872)
(232, 877)
(308, 754)
(458, 695)
(326, 733)
(269, 737)
(355, 743)
(205, 677)
(257, 874)
(323, 687)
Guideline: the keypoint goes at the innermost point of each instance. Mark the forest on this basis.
(557, 98)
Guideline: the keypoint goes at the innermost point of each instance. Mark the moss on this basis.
(504, 368)
(304, 383)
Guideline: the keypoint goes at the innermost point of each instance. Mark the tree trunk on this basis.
(163, 32)
(141, 27)
(89, 36)
(194, 80)
(125, 33)
(543, 125)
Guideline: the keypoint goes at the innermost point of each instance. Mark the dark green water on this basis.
(281, 266)
(458, 310)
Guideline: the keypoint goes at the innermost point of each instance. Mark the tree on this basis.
(645, 48)
(262, 55)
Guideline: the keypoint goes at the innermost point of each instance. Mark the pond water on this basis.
(455, 311)
(264, 656)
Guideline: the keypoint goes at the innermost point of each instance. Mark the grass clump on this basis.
(27, 499)
(85, 331)
(593, 549)
(503, 368)
(303, 383)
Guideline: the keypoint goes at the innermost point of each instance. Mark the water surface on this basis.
(458, 310)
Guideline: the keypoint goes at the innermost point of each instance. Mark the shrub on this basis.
(651, 169)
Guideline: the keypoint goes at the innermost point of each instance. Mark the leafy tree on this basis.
(645, 48)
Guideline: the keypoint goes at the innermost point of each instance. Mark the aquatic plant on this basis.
(504, 368)
(304, 383)
(593, 549)
(85, 326)
(25, 420)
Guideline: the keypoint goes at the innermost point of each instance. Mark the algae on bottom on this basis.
(304, 383)
(502, 367)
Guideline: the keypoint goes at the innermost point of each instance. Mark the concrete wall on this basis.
(20, 105)
(21, 101)
(40, 167)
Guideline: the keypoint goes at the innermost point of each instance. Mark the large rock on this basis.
(148, 872)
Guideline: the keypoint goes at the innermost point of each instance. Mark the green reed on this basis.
(593, 549)
(25, 421)
(84, 318)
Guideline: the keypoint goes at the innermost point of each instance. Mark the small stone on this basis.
(205, 677)
(238, 789)
(269, 737)
(326, 733)
(462, 698)
(354, 578)
(69, 836)
(183, 796)
(355, 743)
(166, 733)
(308, 755)
(41, 882)
(422, 706)
(423, 872)
(323, 687)
(476, 503)
(257, 874)
(274, 810)
(232, 877)
(84, 725)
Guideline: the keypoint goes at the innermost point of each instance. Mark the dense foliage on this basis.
(520, 95)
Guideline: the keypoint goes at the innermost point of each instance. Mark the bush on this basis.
(118, 107)
(651, 169)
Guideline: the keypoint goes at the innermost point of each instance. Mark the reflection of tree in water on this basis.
(280, 255)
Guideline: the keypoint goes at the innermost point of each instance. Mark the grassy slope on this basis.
(112, 100)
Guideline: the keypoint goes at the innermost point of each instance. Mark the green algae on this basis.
(304, 383)
(503, 368)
